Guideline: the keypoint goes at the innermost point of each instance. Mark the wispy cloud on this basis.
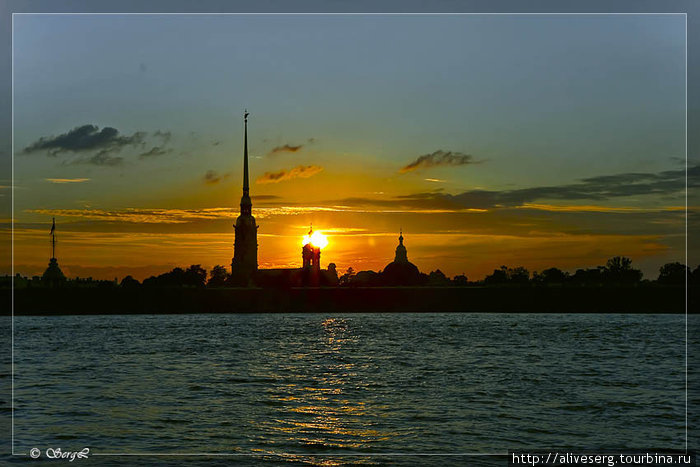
(100, 159)
(439, 158)
(285, 148)
(339, 230)
(601, 188)
(163, 135)
(176, 216)
(212, 177)
(597, 208)
(67, 180)
(154, 151)
(302, 171)
(136, 215)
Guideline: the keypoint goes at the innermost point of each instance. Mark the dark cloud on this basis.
(163, 135)
(155, 151)
(265, 197)
(85, 138)
(302, 171)
(678, 160)
(439, 157)
(601, 188)
(212, 177)
(285, 148)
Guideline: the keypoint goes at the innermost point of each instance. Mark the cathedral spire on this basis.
(246, 188)
(245, 247)
(246, 203)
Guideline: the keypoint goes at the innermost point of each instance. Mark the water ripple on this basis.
(299, 386)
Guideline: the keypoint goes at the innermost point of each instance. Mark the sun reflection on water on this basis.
(315, 412)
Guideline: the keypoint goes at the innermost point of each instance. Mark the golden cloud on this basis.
(67, 180)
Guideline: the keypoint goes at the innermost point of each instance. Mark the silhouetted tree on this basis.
(618, 270)
(550, 276)
(346, 278)
(499, 276)
(673, 273)
(694, 279)
(178, 277)
(519, 275)
(460, 280)
(437, 278)
(218, 276)
(129, 282)
(195, 276)
(588, 277)
(506, 275)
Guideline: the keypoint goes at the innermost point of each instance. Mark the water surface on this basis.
(312, 385)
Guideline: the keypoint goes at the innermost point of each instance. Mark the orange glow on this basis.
(317, 239)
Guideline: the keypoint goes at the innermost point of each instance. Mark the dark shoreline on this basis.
(98, 300)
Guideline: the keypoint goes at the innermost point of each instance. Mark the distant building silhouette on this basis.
(309, 275)
(53, 276)
(245, 248)
(311, 254)
(401, 271)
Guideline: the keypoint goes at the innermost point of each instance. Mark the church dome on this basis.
(401, 271)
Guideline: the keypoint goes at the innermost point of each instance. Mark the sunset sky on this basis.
(536, 140)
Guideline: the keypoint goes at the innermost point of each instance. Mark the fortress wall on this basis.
(349, 300)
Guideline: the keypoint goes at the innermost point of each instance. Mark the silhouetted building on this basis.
(244, 266)
(311, 255)
(309, 275)
(245, 248)
(401, 271)
(53, 276)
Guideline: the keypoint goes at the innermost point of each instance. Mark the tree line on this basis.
(618, 271)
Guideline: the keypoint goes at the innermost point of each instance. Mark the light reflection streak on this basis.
(320, 416)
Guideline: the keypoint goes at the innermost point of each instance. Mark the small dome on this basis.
(401, 271)
(401, 274)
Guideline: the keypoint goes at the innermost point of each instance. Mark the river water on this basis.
(411, 389)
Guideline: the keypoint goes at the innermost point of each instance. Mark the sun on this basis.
(316, 239)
